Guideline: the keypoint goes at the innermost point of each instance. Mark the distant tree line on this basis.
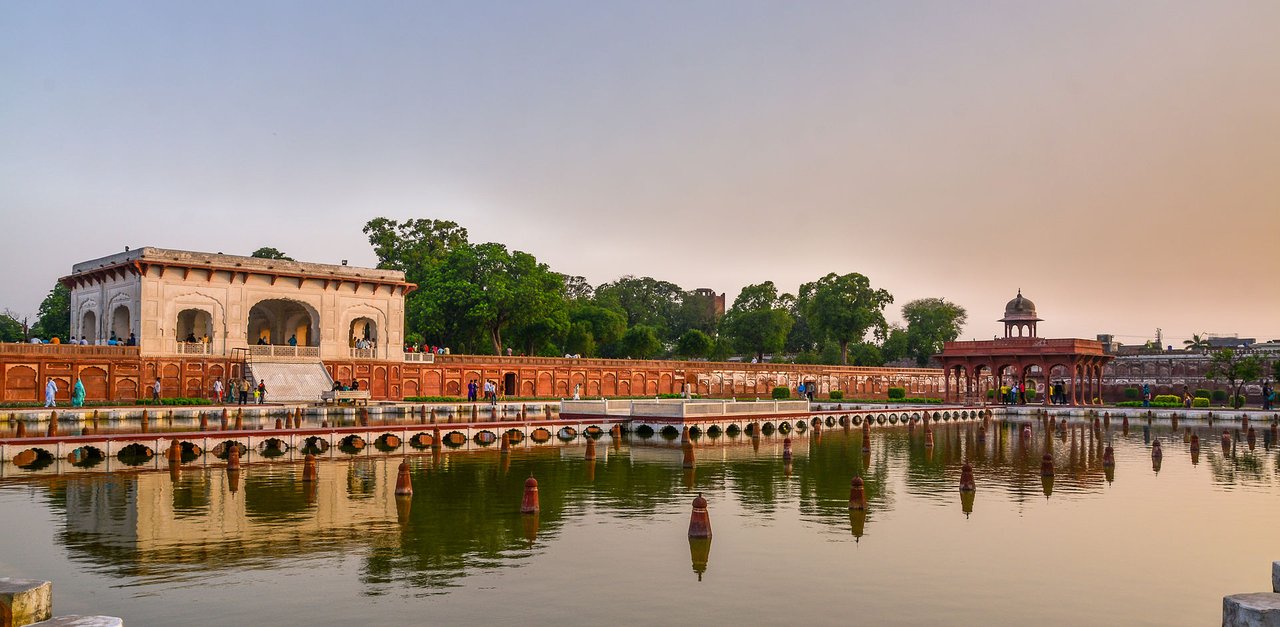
(486, 299)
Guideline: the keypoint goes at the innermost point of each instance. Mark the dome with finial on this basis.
(1020, 308)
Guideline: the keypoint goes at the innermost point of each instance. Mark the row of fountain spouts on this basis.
(292, 419)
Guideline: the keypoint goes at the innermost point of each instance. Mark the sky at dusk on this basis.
(1119, 162)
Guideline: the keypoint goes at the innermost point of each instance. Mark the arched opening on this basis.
(194, 331)
(281, 322)
(120, 323)
(362, 338)
(89, 327)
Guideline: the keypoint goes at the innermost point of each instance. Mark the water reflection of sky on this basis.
(609, 545)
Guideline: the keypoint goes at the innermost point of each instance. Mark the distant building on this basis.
(714, 303)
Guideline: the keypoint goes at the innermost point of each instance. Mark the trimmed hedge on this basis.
(1200, 401)
(1219, 396)
(898, 393)
(1132, 394)
(1203, 394)
(836, 395)
(781, 392)
(1167, 398)
(181, 401)
(1240, 401)
(1154, 404)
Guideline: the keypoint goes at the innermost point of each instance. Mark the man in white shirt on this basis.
(50, 390)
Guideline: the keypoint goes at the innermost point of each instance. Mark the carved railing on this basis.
(269, 350)
(193, 348)
(426, 358)
(68, 350)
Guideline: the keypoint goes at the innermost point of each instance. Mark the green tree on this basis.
(758, 322)
(413, 246)
(844, 308)
(605, 326)
(417, 247)
(11, 328)
(930, 322)
(866, 354)
(542, 335)
(644, 300)
(1235, 368)
(580, 340)
(54, 317)
(896, 345)
(477, 293)
(267, 252)
(576, 288)
(694, 343)
(641, 342)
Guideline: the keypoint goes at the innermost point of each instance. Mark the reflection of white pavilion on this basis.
(182, 302)
(150, 512)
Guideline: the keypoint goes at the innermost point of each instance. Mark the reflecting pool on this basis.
(1142, 543)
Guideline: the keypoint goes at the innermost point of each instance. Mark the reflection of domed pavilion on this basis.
(975, 367)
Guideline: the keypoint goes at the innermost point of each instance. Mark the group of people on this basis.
(339, 386)
(1058, 393)
(806, 390)
(84, 341)
(489, 388)
(1015, 394)
(235, 390)
(51, 392)
(417, 348)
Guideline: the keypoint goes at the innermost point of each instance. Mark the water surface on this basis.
(1132, 546)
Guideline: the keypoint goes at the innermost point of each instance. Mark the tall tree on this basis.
(930, 322)
(602, 325)
(413, 246)
(694, 343)
(644, 300)
(267, 252)
(417, 247)
(641, 342)
(576, 288)
(844, 308)
(758, 322)
(54, 317)
(493, 289)
(1236, 368)
(11, 328)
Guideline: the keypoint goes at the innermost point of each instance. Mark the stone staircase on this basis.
(291, 381)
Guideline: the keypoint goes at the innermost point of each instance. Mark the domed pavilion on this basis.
(1021, 356)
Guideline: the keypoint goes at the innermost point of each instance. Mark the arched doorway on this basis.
(362, 337)
(89, 327)
(193, 331)
(282, 322)
(120, 323)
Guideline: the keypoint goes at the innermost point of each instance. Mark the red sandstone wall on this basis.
(121, 375)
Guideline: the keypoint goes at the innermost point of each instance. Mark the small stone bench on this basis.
(356, 397)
